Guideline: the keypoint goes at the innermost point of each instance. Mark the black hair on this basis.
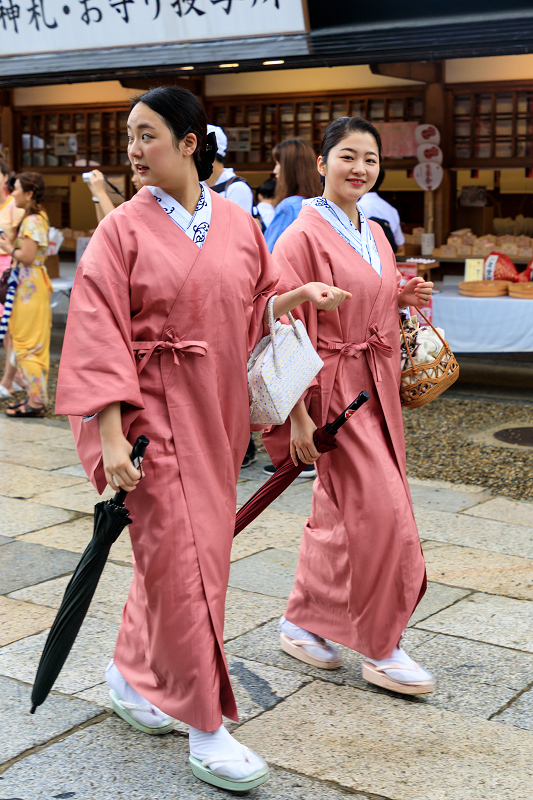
(381, 178)
(268, 188)
(342, 127)
(220, 159)
(4, 169)
(182, 113)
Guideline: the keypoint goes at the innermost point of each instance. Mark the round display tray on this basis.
(523, 291)
(484, 288)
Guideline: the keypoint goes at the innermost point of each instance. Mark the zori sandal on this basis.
(17, 404)
(123, 709)
(299, 648)
(202, 770)
(379, 677)
(23, 409)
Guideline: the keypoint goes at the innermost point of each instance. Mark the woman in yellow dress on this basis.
(10, 219)
(31, 314)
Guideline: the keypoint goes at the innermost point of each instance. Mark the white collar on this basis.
(362, 242)
(195, 225)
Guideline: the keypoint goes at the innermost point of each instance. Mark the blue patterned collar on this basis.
(196, 225)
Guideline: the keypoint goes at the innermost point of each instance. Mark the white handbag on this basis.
(279, 370)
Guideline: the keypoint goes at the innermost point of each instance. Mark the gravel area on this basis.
(438, 443)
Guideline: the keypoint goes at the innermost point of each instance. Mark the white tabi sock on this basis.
(224, 755)
(399, 656)
(151, 716)
(294, 632)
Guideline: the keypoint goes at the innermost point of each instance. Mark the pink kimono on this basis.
(360, 571)
(166, 328)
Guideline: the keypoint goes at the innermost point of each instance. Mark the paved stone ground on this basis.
(327, 735)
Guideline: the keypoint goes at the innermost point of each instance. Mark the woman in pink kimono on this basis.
(360, 571)
(168, 301)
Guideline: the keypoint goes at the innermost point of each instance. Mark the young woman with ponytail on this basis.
(168, 301)
(27, 311)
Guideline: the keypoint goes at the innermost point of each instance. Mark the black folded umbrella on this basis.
(110, 519)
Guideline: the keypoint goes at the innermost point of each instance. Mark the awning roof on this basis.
(415, 40)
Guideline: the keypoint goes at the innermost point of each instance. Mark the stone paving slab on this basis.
(107, 603)
(76, 470)
(435, 599)
(110, 761)
(262, 644)
(18, 620)
(500, 508)
(5, 539)
(445, 498)
(473, 677)
(277, 529)
(248, 610)
(81, 497)
(434, 754)
(22, 516)
(487, 618)
(41, 456)
(18, 481)
(493, 573)
(469, 531)
(519, 713)
(58, 715)
(76, 535)
(84, 667)
(270, 572)
(37, 431)
(24, 564)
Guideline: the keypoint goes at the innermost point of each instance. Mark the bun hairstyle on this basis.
(342, 127)
(183, 113)
(32, 182)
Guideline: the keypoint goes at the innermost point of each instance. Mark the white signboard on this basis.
(65, 144)
(428, 175)
(427, 134)
(40, 26)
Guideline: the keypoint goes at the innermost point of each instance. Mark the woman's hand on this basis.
(6, 245)
(116, 450)
(97, 182)
(416, 292)
(324, 297)
(302, 429)
(119, 470)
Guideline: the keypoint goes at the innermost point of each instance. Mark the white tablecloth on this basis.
(484, 324)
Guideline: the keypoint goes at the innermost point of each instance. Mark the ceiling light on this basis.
(186, 67)
(225, 66)
(270, 63)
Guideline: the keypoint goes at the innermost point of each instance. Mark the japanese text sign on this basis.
(37, 26)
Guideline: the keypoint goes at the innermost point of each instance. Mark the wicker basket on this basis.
(422, 383)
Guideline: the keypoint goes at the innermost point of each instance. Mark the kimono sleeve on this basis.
(266, 286)
(97, 363)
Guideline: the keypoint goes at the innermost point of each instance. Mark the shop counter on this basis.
(483, 324)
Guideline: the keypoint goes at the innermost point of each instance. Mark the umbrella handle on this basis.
(137, 455)
(333, 427)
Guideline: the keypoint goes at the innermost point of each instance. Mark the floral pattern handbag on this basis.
(280, 369)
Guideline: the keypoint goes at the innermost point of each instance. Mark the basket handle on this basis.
(271, 325)
(444, 342)
(405, 342)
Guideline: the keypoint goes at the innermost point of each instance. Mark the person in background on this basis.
(374, 207)
(265, 201)
(297, 180)
(135, 179)
(31, 315)
(102, 202)
(224, 181)
(10, 219)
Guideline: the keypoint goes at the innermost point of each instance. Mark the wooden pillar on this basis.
(6, 126)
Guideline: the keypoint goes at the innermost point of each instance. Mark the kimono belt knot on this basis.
(376, 343)
(145, 350)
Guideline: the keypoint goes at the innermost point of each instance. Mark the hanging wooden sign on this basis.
(429, 152)
(427, 134)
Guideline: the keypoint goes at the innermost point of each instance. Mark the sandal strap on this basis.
(309, 643)
(403, 667)
(208, 761)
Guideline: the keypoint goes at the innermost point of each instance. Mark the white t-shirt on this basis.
(266, 212)
(239, 191)
(372, 205)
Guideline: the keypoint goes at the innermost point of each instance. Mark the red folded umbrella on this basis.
(325, 440)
